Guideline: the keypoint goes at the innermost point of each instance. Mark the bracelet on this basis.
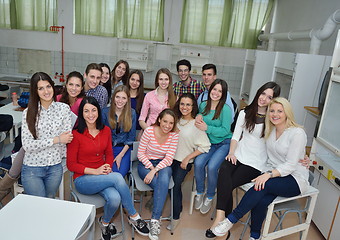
(270, 173)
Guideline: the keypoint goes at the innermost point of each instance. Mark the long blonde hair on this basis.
(287, 108)
(125, 118)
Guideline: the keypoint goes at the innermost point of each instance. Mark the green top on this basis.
(218, 129)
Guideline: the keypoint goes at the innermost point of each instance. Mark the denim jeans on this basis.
(112, 187)
(125, 163)
(160, 185)
(178, 175)
(258, 201)
(211, 160)
(42, 181)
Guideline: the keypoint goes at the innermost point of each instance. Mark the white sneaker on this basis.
(155, 229)
(222, 227)
(175, 223)
(206, 205)
(251, 238)
(198, 201)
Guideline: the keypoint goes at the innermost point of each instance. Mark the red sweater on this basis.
(86, 151)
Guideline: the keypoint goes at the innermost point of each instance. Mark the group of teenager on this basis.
(180, 125)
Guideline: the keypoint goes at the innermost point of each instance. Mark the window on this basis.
(36, 15)
(229, 23)
(139, 19)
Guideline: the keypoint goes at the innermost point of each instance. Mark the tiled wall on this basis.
(79, 61)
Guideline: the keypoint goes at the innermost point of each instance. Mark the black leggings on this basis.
(230, 177)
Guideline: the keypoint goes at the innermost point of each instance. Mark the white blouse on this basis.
(51, 122)
(251, 149)
(190, 139)
(285, 152)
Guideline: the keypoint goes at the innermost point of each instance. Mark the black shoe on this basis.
(140, 226)
(107, 231)
(209, 234)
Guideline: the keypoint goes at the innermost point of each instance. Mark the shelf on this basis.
(313, 110)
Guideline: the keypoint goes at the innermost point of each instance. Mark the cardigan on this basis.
(88, 151)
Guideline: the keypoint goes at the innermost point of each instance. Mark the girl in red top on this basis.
(90, 157)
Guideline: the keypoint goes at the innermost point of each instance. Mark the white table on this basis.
(31, 217)
(17, 118)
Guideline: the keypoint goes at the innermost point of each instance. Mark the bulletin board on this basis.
(31, 61)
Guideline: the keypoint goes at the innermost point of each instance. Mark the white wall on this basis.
(292, 15)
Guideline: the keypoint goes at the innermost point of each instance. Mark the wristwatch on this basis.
(270, 173)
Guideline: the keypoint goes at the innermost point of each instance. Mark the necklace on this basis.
(260, 115)
(183, 124)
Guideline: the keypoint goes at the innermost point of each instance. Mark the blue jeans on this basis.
(160, 185)
(112, 187)
(212, 160)
(258, 201)
(125, 163)
(41, 181)
(178, 175)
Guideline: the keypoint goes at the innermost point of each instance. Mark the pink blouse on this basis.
(152, 107)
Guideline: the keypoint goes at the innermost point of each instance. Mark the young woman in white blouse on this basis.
(191, 143)
(285, 176)
(46, 129)
(247, 154)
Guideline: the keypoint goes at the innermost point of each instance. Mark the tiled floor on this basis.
(192, 227)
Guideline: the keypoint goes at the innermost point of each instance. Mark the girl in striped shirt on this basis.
(156, 152)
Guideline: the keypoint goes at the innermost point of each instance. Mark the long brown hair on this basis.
(140, 91)
(222, 100)
(33, 110)
(125, 118)
(126, 74)
(171, 93)
(65, 98)
(165, 112)
(252, 108)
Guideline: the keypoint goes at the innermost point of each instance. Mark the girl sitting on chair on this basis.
(286, 142)
(90, 157)
(156, 152)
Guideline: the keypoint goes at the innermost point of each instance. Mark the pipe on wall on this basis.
(316, 36)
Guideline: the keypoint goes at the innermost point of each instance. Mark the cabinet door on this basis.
(335, 234)
(325, 206)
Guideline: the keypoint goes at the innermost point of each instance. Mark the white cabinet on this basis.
(197, 55)
(139, 54)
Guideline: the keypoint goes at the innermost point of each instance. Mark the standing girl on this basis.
(286, 177)
(155, 153)
(90, 157)
(46, 129)
(105, 80)
(214, 118)
(157, 100)
(247, 155)
(119, 74)
(121, 119)
(192, 142)
(73, 92)
(135, 85)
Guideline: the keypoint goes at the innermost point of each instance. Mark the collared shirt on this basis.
(100, 94)
(204, 97)
(118, 135)
(195, 87)
(51, 122)
(152, 107)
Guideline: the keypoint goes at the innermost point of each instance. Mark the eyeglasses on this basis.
(185, 105)
(183, 70)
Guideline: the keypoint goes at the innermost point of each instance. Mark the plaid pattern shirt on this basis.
(100, 94)
(195, 87)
